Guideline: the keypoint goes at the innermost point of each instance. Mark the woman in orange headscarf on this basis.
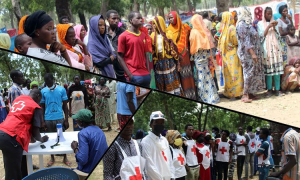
(66, 35)
(235, 18)
(201, 45)
(180, 33)
(21, 24)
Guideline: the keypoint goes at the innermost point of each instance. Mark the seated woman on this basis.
(40, 27)
(291, 76)
(100, 48)
(66, 35)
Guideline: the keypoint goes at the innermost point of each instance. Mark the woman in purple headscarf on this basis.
(100, 48)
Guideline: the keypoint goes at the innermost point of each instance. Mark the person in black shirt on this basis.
(113, 33)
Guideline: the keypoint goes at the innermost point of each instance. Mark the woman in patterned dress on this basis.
(249, 55)
(102, 114)
(201, 44)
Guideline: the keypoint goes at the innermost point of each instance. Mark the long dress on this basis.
(207, 91)
(204, 173)
(112, 99)
(254, 79)
(232, 67)
(102, 115)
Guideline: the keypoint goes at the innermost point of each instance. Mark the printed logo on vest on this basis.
(18, 106)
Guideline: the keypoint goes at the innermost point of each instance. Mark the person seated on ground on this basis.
(40, 27)
(22, 122)
(79, 59)
(291, 76)
(91, 143)
(5, 41)
(22, 43)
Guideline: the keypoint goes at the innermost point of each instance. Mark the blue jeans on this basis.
(264, 172)
(143, 81)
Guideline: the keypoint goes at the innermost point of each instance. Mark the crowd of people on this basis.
(194, 155)
(253, 55)
(92, 107)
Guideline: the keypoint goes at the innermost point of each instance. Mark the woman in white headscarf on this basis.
(249, 54)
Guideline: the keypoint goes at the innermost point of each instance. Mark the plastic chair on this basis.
(53, 174)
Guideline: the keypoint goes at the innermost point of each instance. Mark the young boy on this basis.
(22, 43)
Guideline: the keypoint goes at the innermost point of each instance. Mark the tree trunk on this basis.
(195, 4)
(230, 3)
(17, 9)
(169, 115)
(63, 8)
(161, 12)
(206, 114)
(222, 5)
(136, 6)
(104, 6)
(145, 8)
(174, 8)
(11, 15)
(199, 118)
(46, 66)
(152, 11)
(156, 12)
(190, 5)
(82, 20)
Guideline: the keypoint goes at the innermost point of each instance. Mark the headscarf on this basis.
(172, 135)
(36, 21)
(293, 61)
(227, 21)
(77, 29)
(62, 30)
(5, 41)
(21, 24)
(270, 39)
(245, 15)
(180, 33)
(34, 83)
(169, 48)
(233, 15)
(200, 37)
(197, 133)
(99, 46)
(258, 15)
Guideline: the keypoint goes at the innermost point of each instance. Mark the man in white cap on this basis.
(156, 151)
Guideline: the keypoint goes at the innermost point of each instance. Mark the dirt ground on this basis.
(110, 136)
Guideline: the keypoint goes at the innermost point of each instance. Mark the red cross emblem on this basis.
(242, 141)
(163, 153)
(207, 154)
(223, 150)
(258, 145)
(138, 175)
(181, 159)
(253, 144)
(18, 106)
(194, 150)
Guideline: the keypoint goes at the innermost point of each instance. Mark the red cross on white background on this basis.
(223, 150)
(253, 144)
(163, 153)
(194, 150)
(258, 145)
(242, 141)
(207, 154)
(18, 106)
(138, 175)
(181, 159)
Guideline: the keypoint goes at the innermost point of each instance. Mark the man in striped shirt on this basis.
(290, 156)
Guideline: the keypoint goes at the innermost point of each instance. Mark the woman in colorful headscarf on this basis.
(66, 35)
(201, 45)
(100, 47)
(291, 76)
(40, 27)
(21, 25)
(235, 18)
(149, 58)
(231, 65)
(258, 13)
(102, 114)
(271, 51)
(180, 33)
(250, 56)
(5, 41)
(283, 23)
(80, 32)
(166, 57)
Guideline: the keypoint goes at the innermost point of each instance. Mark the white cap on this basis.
(157, 115)
(207, 134)
(258, 129)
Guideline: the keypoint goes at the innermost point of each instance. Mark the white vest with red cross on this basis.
(241, 140)
(223, 150)
(179, 162)
(206, 154)
(132, 167)
(191, 153)
(251, 144)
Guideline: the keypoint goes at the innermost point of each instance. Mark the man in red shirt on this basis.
(132, 49)
(23, 121)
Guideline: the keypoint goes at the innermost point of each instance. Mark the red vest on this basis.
(19, 119)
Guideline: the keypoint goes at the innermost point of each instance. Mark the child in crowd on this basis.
(293, 43)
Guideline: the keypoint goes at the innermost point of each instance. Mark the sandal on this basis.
(68, 163)
(50, 163)
(246, 100)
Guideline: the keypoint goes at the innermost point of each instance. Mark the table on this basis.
(63, 148)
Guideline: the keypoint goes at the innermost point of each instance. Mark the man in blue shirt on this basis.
(92, 142)
(53, 96)
(263, 153)
(126, 102)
